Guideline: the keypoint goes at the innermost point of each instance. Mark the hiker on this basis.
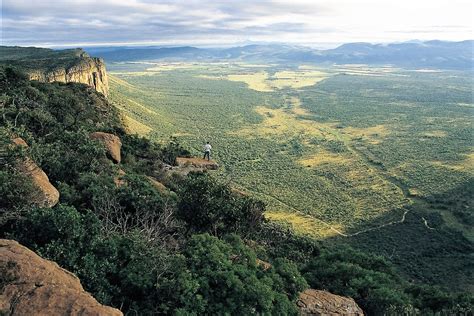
(207, 151)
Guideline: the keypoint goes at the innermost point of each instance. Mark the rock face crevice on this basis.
(31, 285)
(88, 70)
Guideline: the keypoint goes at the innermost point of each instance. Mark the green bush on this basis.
(368, 279)
(208, 206)
(227, 280)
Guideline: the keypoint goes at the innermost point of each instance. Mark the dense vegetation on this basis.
(190, 250)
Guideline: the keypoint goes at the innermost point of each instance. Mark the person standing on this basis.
(207, 151)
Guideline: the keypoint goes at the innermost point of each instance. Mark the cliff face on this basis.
(87, 70)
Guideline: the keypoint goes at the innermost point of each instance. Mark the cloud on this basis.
(72, 22)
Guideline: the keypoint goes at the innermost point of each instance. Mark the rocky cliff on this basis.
(47, 65)
(88, 70)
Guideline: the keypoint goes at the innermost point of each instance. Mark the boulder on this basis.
(44, 193)
(31, 285)
(111, 142)
(315, 302)
(19, 142)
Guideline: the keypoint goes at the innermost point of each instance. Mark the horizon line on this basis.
(320, 45)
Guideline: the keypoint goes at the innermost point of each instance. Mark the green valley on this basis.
(352, 154)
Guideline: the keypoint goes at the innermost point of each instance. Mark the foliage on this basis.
(15, 188)
(228, 280)
(367, 278)
(281, 241)
(208, 206)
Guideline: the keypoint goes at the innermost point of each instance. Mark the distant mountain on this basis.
(432, 54)
(413, 54)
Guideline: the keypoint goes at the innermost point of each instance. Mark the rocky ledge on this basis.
(31, 285)
(315, 302)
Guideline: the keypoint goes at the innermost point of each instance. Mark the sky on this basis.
(317, 23)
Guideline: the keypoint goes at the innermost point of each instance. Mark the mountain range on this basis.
(414, 54)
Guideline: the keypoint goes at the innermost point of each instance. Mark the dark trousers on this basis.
(207, 154)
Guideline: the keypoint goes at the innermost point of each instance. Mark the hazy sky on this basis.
(207, 22)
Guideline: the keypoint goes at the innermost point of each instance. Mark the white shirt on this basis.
(207, 147)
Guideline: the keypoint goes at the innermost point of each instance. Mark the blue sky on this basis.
(223, 23)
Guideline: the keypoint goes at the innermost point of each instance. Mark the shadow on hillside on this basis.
(425, 247)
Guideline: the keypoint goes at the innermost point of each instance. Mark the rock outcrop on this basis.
(187, 165)
(87, 70)
(31, 285)
(197, 163)
(315, 302)
(111, 142)
(263, 264)
(44, 193)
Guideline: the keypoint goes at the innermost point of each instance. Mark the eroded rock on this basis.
(315, 302)
(32, 285)
(44, 193)
(111, 142)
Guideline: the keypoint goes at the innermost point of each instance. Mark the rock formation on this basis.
(314, 302)
(111, 142)
(197, 163)
(44, 193)
(31, 285)
(263, 264)
(87, 70)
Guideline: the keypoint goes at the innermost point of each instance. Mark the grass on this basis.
(296, 79)
(304, 224)
(135, 127)
(256, 81)
(263, 82)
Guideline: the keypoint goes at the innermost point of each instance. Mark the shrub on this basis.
(208, 206)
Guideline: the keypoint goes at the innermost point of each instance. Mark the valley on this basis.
(335, 152)
(236, 158)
